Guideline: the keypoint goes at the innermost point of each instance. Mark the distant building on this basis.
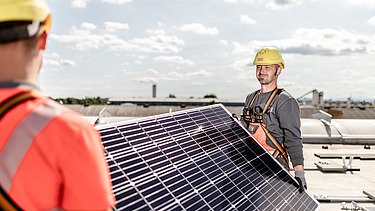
(146, 102)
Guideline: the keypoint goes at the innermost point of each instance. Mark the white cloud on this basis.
(362, 3)
(309, 41)
(203, 73)
(282, 4)
(199, 29)
(156, 32)
(241, 65)
(147, 79)
(55, 62)
(350, 74)
(85, 39)
(158, 42)
(224, 42)
(243, 48)
(371, 20)
(230, 1)
(174, 59)
(237, 1)
(79, 3)
(115, 26)
(246, 19)
(153, 71)
(83, 3)
(171, 76)
(271, 4)
(88, 26)
(126, 71)
(242, 70)
(119, 2)
(198, 83)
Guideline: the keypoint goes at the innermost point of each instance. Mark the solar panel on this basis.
(197, 159)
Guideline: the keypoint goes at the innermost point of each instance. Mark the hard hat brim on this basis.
(35, 10)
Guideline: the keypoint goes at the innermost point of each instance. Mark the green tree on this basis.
(210, 96)
(86, 101)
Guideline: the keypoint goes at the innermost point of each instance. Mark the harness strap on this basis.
(275, 91)
(16, 99)
(279, 147)
(253, 99)
(268, 103)
(6, 203)
(7, 105)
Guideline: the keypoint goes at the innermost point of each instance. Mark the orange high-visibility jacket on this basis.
(50, 157)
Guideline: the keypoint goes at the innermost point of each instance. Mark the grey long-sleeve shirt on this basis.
(283, 122)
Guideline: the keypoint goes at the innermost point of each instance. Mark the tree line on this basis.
(102, 101)
(85, 101)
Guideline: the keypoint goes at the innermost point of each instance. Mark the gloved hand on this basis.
(300, 177)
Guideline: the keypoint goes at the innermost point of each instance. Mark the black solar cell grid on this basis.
(199, 159)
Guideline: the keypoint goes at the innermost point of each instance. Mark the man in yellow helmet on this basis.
(272, 115)
(50, 158)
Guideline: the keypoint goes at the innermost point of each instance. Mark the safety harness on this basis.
(6, 203)
(254, 119)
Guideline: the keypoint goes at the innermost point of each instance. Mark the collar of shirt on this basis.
(14, 84)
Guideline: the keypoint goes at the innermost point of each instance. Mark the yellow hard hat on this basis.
(26, 10)
(268, 56)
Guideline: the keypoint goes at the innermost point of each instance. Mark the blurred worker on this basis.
(50, 157)
(272, 115)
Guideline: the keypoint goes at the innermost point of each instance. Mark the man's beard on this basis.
(263, 79)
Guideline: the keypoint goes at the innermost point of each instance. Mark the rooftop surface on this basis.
(141, 111)
(340, 184)
(347, 185)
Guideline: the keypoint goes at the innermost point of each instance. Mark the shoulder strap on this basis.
(275, 92)
(16, 99)
(253, 99)
(280, 148)
(6, 203)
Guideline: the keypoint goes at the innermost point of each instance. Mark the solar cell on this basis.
(197, 159)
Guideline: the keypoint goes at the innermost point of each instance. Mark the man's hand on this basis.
(300, 177)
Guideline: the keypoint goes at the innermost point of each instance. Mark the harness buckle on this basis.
(253, 128)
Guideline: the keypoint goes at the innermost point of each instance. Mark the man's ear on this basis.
(43, 41)
(278, 71)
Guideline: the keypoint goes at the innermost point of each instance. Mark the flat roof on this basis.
(331, 184)
(175, 100)
(339, 184)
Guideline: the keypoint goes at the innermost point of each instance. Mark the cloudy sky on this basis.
(189, 48)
